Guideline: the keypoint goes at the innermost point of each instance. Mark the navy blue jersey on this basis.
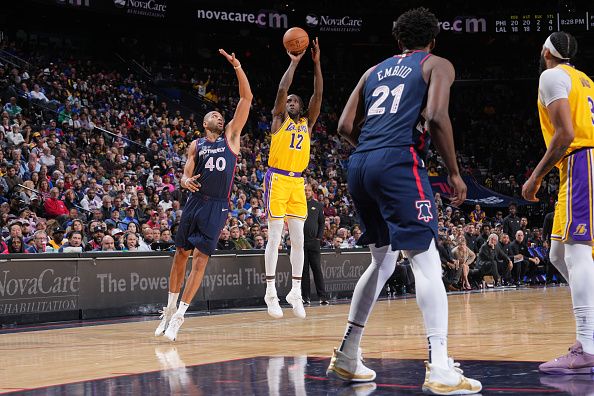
(395, 94)
(215, 163)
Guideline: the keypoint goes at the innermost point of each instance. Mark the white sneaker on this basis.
(165, 317)
(274, 308)
(294, 298)
(349, 368)
(174, 325)
(448, 381)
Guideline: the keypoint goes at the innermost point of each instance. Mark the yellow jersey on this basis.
(581, 103)
(290, 145)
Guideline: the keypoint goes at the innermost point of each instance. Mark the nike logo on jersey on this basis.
(224, 210)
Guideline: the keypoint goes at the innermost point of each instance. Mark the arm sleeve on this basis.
(553, 84)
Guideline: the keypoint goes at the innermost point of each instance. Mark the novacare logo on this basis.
(45, 283)
(145, 8)
(263, 18)
(334, 24)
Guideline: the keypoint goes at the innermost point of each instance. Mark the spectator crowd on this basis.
(91, 160)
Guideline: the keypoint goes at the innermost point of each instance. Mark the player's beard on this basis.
(294, 113)
(542, 65)
(214, 128)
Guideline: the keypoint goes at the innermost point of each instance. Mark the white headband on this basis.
(549, 45)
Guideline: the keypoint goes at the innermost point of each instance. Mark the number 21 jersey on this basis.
(395, 94)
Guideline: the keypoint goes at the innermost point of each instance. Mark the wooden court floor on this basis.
(510, 325)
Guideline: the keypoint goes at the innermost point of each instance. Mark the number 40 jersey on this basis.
(395, 94)
(215, 163)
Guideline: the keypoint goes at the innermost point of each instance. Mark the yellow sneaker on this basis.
(448, 381)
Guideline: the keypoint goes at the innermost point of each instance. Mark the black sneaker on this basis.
(306, 301)
(324, 302)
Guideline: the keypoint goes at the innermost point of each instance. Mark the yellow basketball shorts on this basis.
(284, 195)
(574, 213)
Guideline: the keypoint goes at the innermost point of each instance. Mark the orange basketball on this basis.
(296, 40)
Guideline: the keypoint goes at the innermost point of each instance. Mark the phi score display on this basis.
(520, 23)
(547, 23)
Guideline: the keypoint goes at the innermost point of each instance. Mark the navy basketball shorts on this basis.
(393, 197)
(202, 220)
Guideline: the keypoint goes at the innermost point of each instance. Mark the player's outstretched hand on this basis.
(231, 58)
(315, 50)
(192, 183)
(296, 57)
(530, 188)
(458, 190)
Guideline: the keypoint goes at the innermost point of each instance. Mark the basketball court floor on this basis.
(498, 336)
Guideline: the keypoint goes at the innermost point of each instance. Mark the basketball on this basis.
(296, 40)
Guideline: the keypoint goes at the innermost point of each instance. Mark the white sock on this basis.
(271, 287)
(183, 307)
(297, 254)
(584, 320)
(578, 258)
(438, 348)
(367, 290)
(296, 284)
(432, 301)
(172, 300)
(351, 339)
(275, 233)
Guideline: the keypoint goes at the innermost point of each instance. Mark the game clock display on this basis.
(545, 22)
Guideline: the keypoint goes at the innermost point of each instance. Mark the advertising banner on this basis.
(342, 271)
(127, 285)
(243, 276)
(334, 23)
(123, 281)
(35, 286)
(260, 18)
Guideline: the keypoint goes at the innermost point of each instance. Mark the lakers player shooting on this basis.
(208, 175)
(566, 110)
(284, 187)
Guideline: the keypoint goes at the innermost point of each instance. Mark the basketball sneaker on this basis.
(165, 317)
(294, 298)
(575, 362)
(349, 368)
(274, 308)
(448, 381)
(174, 325)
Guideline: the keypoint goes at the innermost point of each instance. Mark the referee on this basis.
(313, 231)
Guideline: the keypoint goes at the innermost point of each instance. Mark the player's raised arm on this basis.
(353, 114)
(315, 102)
(278, 112)
(242, 110)
(441, 77)
(189, 180)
